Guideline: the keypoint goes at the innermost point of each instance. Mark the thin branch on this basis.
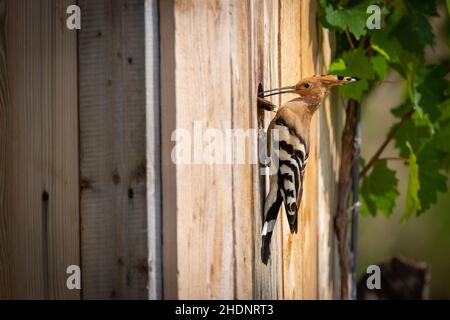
(349, 39)
(379, 82)
(383, 146)
(393, 159)
(363, 41)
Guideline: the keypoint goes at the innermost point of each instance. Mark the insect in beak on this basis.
(267, 93)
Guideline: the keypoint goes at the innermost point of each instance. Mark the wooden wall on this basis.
(215, 54)
(79, 150)
(40, 204)
(86, 170)
(119, 177)
(4, 249)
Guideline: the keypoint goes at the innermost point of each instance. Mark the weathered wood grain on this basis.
(211, 71)
(42, 199)
(205, 240)
(290, 69)
(218, 54)
(169, 190)
(309, 217)
(265, 56)
(242, 185)
(113, 168)
(4, 244)
(152, 88)
(330, 124)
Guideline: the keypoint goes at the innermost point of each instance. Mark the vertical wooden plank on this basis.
(243, 106)
(309, 217)
(205, 242)
(265, 55)
(113, 150)
(256, 13)
(330, 124)
(169, 191)
(4, 245)
(290, 73)
(298, 41)
(42, 199)
(219, 267)
(272, 76)
(152, 81)
(64, 239)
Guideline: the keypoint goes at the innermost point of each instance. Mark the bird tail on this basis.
(271, 209)
(291, 212)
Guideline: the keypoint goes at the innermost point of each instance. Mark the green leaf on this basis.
(440, 139)
(384, 42)
(430, 143)
(431, 179)
(414, 30)
(427, 7)
(380, 66)
(429, 90)
(412, 193)
(414, 26)
(415, 133)
(354, 63)
(401, 110)
(353, 16)
(379, 190)
(448, 6)
(387, 46)
(444, 108)
(402, 41)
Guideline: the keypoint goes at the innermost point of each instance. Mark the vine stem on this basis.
(380, 82)
(341, 219)
(349, 39)
(388, 139)
(393, 159)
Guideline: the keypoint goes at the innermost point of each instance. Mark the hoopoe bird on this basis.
(292, 122)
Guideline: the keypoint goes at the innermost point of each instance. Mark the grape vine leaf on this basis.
(429, 90)
(413, 134)
(380, 66)
(412, 192)
(414, 26)
(394, 41)
(427, 7)
(353, 16)
(431, 178)
(379, 190)
(354, 63)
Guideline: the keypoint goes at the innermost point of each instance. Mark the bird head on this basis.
(312, 90)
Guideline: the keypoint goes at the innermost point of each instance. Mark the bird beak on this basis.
(267, 93)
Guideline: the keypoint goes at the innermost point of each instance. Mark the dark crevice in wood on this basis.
(45, 241)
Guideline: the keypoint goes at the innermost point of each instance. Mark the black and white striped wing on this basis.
(292, 157)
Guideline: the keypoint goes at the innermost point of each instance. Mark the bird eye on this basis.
(307, 85)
